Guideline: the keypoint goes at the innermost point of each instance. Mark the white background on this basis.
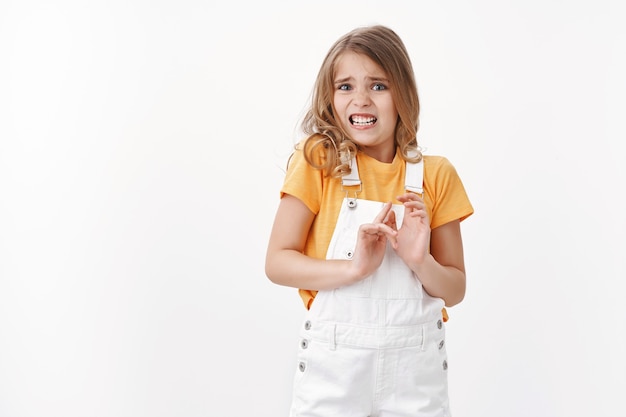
(142, 148)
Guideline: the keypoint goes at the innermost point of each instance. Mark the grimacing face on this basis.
(364, 104)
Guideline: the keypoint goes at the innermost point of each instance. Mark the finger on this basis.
(409, 197)
(414, 205)
(380, 218)
(418, 213)
(377, 229)
(386, 230)
(390, 220)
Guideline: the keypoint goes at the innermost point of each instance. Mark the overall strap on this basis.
(413, 181)
(352, 178)
(349, 180)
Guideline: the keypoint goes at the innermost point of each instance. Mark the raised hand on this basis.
(371, 242)
(412, 241)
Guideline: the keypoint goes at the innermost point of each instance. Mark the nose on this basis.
(362, 97)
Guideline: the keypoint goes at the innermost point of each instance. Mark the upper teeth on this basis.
(360, 120)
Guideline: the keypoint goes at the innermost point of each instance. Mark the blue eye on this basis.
(344, 87)
(379, 87)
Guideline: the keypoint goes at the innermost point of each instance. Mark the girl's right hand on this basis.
(371, 243)
(286, 264)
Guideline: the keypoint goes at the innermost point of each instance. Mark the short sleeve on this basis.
(448, 196)
(303, 181)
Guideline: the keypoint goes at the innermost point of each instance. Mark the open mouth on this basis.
(362, 120)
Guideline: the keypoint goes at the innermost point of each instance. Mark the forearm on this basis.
(445, 282)
(294, 269)
(286, 264)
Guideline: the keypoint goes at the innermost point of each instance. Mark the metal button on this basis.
(351, 203)
(439, 324)
(349, 254)
(445, 365)
(307, 325)
(441, 344)
(302, 366)
(304, 344)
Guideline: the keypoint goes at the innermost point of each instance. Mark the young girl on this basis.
(368, 230)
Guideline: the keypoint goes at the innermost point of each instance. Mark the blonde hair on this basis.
(383, 46)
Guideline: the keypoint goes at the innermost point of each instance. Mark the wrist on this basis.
(420, 263)
(354, 272)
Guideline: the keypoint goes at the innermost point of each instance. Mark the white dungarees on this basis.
(374, 348)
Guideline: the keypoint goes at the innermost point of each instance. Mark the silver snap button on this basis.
(349, 254)
(445, 365)
(439, 324)
(304, 344)
(307, 325)
(441, 344)
(301, 366)
(351, 203)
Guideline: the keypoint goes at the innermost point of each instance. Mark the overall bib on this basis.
(374, 348)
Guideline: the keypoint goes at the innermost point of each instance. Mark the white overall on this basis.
(374, 348)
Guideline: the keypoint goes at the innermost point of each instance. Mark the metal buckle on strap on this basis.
(417, 190)
(355, 193)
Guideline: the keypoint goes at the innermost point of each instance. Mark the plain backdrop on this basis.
(142, 149)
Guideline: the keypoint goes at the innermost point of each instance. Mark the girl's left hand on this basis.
(413, 240)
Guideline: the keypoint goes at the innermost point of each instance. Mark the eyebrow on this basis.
(343, 80)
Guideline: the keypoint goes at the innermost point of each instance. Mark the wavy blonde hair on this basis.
(383, 46)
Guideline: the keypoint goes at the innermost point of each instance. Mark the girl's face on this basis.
(364, 105)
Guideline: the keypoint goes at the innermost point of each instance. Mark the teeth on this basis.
(362, 121)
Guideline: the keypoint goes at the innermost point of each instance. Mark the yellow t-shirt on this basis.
(444, 195)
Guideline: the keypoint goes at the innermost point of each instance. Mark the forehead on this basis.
(351, 63)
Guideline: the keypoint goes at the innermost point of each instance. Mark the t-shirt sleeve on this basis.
(303, 181)
(450, 200)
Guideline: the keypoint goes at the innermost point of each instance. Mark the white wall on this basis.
(142, 145)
